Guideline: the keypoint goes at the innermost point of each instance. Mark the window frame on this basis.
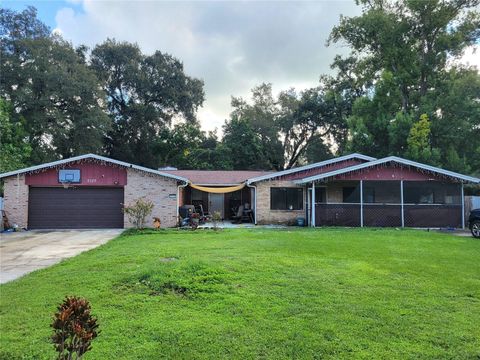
(293, 190)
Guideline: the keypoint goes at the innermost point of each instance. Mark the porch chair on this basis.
(237, 218)
(204, 216)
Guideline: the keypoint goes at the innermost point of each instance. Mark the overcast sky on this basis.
(232, 46)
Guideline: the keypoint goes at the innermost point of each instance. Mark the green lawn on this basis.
(258, 294)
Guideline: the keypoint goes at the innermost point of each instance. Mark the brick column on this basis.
(16, 200)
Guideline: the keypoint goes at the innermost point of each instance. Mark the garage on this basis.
(75, 207)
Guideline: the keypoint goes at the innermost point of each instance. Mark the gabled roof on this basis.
(433, 169)
(217, 177)
(96, 157)
(310, 166)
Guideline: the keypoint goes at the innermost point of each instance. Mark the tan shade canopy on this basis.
(218, 190)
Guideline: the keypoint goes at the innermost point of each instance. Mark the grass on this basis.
(258, 294)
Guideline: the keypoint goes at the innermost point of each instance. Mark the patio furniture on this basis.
(237, 218)
(186, 210)
(204, 216)
(248, 214)
(242, 215)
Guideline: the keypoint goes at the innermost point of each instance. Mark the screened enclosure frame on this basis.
(393, 203)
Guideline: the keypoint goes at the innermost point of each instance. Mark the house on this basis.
(86, 191)
(354, 190)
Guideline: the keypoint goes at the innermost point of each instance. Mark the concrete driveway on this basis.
(23, 252)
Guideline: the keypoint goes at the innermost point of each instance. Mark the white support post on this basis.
(361, 203)
(313, 204)
(463, 209)
(402, 202)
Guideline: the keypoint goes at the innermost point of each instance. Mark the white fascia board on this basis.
(311, 166)
(396, 159)
(91, 156)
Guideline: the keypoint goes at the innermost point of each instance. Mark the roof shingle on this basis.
(217, 177)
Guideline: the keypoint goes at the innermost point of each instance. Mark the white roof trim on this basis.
(385, 160)
(311, 166)
(92, 156)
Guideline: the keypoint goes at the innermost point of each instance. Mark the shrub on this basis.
(74, 328)
(138, 212)
(216, 218)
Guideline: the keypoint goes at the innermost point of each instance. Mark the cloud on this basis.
(471, 56)
(232, 46)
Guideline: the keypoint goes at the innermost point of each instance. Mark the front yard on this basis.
(330, 293)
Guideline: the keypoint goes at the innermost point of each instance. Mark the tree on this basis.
(288, 123)
(49, 85)
(145, 94)
(305, 117)
(455, 118)
(14, 149)
(398, 70)
(244, 145)
(411, 39)
(186, 146)
(261, 115)
(317, 151)
(419, 142)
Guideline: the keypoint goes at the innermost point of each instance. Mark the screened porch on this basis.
(388, 204)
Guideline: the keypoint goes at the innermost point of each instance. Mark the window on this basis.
(351, 194)
(286, 198)
(320, 195)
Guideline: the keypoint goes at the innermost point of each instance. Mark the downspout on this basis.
(463, 207)
(361, 203)
(314, 222)
(178, 199)
(254, 201)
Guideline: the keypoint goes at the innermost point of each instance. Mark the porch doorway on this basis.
(216, 203)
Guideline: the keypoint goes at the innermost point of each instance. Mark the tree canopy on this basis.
(400, 91)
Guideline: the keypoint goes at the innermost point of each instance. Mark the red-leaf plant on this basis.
(74, 328)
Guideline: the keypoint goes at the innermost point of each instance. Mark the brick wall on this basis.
(157, 189)
(267, 216)
(16, 200)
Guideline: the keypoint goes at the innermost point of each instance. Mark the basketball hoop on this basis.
(66, 184)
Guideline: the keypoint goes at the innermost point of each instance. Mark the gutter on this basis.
(178, 197)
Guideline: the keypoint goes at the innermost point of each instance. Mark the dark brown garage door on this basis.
(75, 208)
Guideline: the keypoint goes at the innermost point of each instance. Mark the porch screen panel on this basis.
(337, 215)
(432, 204)
(382, 215)
(382, 204)
(436, 216)
(432, 192)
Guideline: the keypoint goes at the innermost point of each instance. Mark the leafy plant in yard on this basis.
(138, 212)
(74, 328)
(216, 218)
